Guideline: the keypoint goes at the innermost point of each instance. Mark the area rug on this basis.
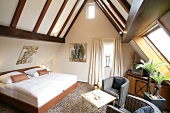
(72, 103)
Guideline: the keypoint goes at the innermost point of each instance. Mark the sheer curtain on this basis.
(117, 67)
(95, 71)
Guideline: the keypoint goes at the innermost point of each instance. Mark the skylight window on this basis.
(90, 11)
(161, 41)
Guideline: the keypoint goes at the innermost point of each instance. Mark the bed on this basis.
(42, 94)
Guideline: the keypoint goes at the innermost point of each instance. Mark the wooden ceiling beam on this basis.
(17, 13)
(58, 16)
(117, 12)
(22, 34)
(142, 14)
(68, 18)
(75, 18)
(108, 16)
(125, 5)
(46, 6)
(115, 19)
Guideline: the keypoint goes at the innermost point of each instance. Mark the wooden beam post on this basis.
(75, 18)
(22, 34)
(46, 6)
(68, 18)
(108, 16)
(142, 14)
(57, 17)
(125, 5)
(18, 12)
(117, 12)
(115, 19)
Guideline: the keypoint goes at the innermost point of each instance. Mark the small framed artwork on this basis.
(78, 52)
(27, 54)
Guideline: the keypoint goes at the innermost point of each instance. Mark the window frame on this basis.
(87, 10)
(153, 46)
(110, 56)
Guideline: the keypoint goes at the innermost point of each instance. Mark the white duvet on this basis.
(41, 86)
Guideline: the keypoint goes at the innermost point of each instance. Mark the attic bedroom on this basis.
(73, 56)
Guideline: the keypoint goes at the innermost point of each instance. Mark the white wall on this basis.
(83, 31)
(57, 55)
(11, 48)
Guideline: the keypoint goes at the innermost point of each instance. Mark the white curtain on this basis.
(96, 62)
(95, 71)
(117, 67)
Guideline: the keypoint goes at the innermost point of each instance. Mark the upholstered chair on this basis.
(134, 105)
(118, 87)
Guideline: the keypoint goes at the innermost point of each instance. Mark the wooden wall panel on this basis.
(151, 52)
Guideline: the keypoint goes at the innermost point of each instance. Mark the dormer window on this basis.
(90, 11)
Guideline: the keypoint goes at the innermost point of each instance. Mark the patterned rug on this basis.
(72, 103)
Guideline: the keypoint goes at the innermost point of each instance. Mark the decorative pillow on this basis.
(20, 77)
(42, 72)
(145, 109)
(117, 82)
(6, 77)
(31, 72)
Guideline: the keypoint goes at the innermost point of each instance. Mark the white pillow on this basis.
(6, 77)
(32, 72)
(35, 75)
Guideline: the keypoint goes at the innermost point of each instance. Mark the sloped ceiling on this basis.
(51, 20)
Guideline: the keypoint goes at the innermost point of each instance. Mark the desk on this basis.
(97, 98)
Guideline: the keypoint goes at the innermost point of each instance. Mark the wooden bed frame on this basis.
(30, 108)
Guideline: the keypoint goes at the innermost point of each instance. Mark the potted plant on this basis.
(159, 78)
(155, 98)
(151, 68)
(154, 73)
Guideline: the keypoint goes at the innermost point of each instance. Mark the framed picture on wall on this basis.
(78, 52)
(27, 54)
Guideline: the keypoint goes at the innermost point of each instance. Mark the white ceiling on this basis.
(50, 16)
(7, 10)
(33, 9)
(30, 14)
(63, 17)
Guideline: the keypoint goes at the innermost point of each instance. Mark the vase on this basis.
(160, 103)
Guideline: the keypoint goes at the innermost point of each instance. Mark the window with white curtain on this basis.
(161, 41)
(90, 11)
(108, 54)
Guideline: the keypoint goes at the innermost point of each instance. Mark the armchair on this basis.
(132, 104)
(118, 87)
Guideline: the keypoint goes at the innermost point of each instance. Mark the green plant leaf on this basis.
(159, 77)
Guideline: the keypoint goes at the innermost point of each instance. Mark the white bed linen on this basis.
(41, 89)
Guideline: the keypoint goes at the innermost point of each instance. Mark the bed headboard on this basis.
(20, 70)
